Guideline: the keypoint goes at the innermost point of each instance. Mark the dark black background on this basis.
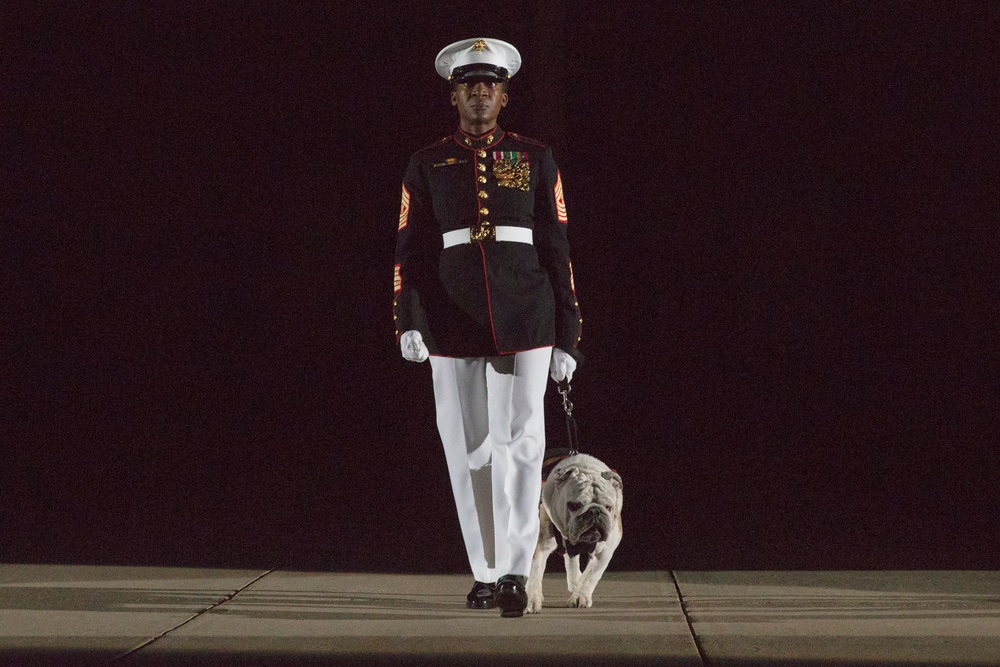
(783, 218)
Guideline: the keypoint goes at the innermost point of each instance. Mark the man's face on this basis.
(479, 102)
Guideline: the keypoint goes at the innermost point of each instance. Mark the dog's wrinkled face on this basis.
(590, 502)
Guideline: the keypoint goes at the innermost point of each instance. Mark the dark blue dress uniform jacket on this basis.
(491, 297)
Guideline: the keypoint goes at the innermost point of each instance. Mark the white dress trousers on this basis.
(490, 414)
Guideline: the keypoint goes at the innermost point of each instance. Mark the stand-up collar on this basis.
(473, 143)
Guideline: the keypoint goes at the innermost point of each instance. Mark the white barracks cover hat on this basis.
(480, 56)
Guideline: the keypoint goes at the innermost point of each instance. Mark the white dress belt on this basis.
(503, 233)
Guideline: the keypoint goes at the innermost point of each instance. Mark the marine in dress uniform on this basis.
(483, 286)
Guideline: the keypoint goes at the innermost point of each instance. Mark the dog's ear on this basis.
(565, 473)
(616, 479)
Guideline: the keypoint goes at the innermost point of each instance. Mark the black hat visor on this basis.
(478, 72)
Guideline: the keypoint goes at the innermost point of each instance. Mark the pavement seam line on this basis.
(207, 609)
(687, 619)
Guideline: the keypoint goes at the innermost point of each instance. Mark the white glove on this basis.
(562, 365)
(412, 345)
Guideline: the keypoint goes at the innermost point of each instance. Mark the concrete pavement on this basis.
(52, 614)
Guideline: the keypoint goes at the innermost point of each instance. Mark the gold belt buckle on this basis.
(482, 232)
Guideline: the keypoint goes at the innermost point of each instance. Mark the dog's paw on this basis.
(579, 601)
(534, 603)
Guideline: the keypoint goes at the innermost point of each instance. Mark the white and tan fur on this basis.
(582, 499)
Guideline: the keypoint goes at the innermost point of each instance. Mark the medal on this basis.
(512, 169)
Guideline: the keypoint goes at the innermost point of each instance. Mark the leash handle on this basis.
(571, 431)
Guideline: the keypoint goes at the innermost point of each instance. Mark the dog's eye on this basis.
(573, 506)
(609, 508)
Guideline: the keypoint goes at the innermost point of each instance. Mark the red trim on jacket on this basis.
(499, 354)
(489, 304)
(475, 181)
(437, 143)
(497, 139)
(527, 140)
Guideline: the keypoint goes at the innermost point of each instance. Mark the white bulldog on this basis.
(582, 499)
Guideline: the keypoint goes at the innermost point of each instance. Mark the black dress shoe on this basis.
(481, 596)
(510, 595)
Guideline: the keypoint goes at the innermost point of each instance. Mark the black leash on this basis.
(571, 432)
(583, 549)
